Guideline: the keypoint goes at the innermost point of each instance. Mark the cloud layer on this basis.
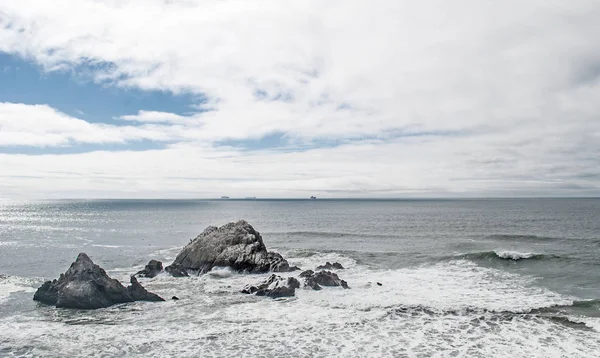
(373, 98)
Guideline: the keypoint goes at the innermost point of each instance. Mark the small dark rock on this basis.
(307, 273)
(249, 289)
(293, 283)
(330, 266)
(278, 264)
(176, 270)
(310, 282)
(379, 284)
(324, 278)
(274, 286)
(152, 269)
(175, 298)
(139, 293)
(281, 291)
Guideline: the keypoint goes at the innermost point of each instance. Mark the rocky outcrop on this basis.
(152, 269)
(275, 286)
(86, 285)
(322, 278)
(331, 266)
(235, 245)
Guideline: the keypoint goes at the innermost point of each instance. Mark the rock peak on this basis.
(86, 285)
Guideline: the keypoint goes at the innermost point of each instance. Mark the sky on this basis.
(272, 98)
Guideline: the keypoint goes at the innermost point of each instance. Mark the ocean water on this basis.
(460, 278)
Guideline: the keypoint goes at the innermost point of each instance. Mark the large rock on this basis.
(236, 245)
(315, 280)
(86, 285)
(274, 286)
(152, 269)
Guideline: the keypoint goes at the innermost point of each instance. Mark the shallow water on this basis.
(476, 278)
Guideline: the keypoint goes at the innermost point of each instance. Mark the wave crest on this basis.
(507, 255)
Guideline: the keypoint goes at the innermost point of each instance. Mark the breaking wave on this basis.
(507, 255)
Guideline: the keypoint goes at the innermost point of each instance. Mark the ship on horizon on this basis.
(313, 198)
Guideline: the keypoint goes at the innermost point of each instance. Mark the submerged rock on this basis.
(236, 245)
(152, 269)
(86, 285)
(323, 278)
(331, 266)
(274, 286)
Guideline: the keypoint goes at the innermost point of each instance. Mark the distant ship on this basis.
(313, 197)
(224, 197)
(250, 197)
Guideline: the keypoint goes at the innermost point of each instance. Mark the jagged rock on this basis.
(176, 270)
(175, 298)
(293, 283)
(278, 264)
(86, 285)
(323, 278)
(236, 245)
(152, 269)
(139, 293)
(331, 266)
(274, 286)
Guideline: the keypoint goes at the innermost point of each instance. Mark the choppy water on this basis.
(466, 278)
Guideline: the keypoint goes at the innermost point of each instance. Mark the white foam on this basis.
(449, 309)
(514, 255)
(109, 246)
(221, 272)
(12, 284)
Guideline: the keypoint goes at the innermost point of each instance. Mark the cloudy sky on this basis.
(336, 98)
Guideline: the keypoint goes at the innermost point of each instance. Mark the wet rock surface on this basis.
(153, 268)
(236, 245)
(176, 270)
(274, 286)
(86, 285)
(322, 278)
(330, 266)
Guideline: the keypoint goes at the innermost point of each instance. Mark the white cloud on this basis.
(43, 126)
(154, 117)
(513, 84)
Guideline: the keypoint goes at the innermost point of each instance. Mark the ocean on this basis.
(459, 278)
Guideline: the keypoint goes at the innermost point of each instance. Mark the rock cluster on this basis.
(331, 266)
(235, 245)
(315, 280)
(86, 285)
(275, 286)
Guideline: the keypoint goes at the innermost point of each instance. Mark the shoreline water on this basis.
(450, 280)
